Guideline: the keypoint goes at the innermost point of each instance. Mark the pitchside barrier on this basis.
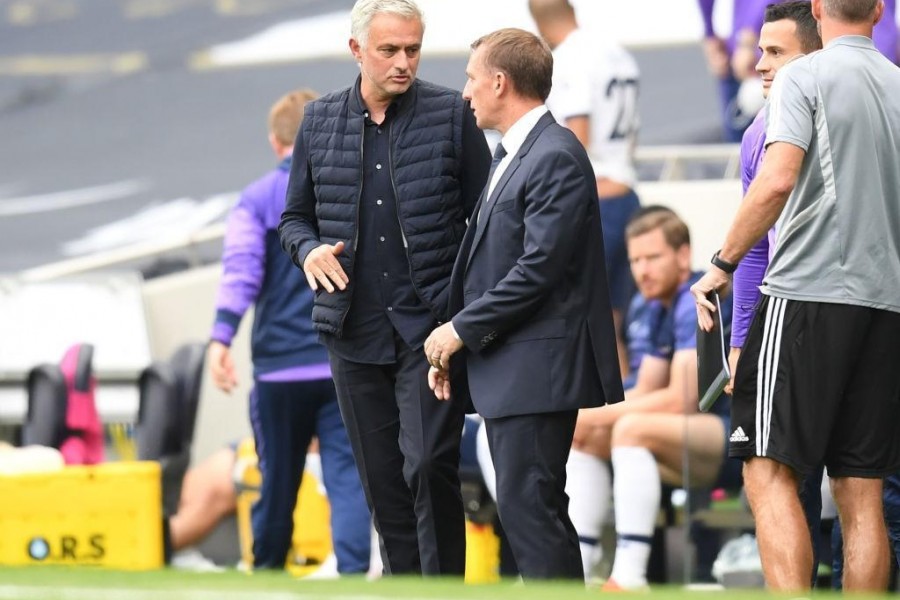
(107, 515)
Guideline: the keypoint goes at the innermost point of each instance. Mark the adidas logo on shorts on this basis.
(738, 435)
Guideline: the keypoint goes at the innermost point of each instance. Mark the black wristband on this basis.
(723, 264)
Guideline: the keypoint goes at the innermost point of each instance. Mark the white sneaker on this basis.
(738, 564)
(327, 570)
(191, 559)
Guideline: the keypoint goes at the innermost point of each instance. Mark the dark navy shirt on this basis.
(384, 300)
(638, 337)
(675, 328)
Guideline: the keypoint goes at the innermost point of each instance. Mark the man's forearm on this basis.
(756, 215)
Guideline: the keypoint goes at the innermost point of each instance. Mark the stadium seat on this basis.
(45, 421)
(187, 363)
(61, 411)
(169, 393)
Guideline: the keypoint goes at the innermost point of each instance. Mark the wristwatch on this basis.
(722, 263)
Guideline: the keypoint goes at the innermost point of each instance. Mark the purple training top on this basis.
(752, 268)
(257, 212)
(748, 14)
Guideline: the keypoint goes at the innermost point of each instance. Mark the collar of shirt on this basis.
(400, 102)
(389, 115)
(515, 135)
(513, 140)
(852, 40)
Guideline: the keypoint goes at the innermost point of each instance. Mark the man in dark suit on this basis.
(533, 324)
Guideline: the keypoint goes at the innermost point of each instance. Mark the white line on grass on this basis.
(22, 592)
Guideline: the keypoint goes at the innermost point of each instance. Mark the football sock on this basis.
(485, 462)
(636, 492)
(588, 488)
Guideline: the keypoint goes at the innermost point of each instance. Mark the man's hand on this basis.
(744, 59)
(439, 382)
(440, 346)
(733, 357)
(322, 268)
(221, 366)
(716, 56)
(715, 279)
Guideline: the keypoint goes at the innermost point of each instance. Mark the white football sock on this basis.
(588, 488)
(483, 453)
(376, 562)
(636, 492)
(314, 466)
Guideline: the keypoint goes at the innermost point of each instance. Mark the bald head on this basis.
(555, 19)
(551, 10)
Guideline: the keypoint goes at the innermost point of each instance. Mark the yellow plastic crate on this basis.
(106, 515)
(482, 554)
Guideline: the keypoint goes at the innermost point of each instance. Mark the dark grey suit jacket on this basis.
(529, 289)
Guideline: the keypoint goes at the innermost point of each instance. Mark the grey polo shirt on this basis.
(839, 233)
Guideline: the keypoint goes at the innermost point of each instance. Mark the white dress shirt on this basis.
(513, 140)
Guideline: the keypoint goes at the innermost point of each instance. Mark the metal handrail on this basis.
(675, 158)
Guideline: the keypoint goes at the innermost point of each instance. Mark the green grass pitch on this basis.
(85, 583)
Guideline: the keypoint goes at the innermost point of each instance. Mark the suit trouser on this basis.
(530, 454)
(406, 444)
(285, 416)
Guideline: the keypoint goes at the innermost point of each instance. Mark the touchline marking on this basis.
(84, 593)
(26, 205)
(20, 592)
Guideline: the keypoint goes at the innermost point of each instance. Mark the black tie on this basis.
(499, 154)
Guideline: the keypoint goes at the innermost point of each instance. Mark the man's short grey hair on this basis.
(851, 11)
(364, 10)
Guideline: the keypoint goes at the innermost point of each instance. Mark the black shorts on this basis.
(819, 382)
(731, 475)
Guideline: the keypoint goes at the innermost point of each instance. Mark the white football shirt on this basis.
(599, 79)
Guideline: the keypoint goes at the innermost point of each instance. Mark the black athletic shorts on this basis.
(819, 382)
